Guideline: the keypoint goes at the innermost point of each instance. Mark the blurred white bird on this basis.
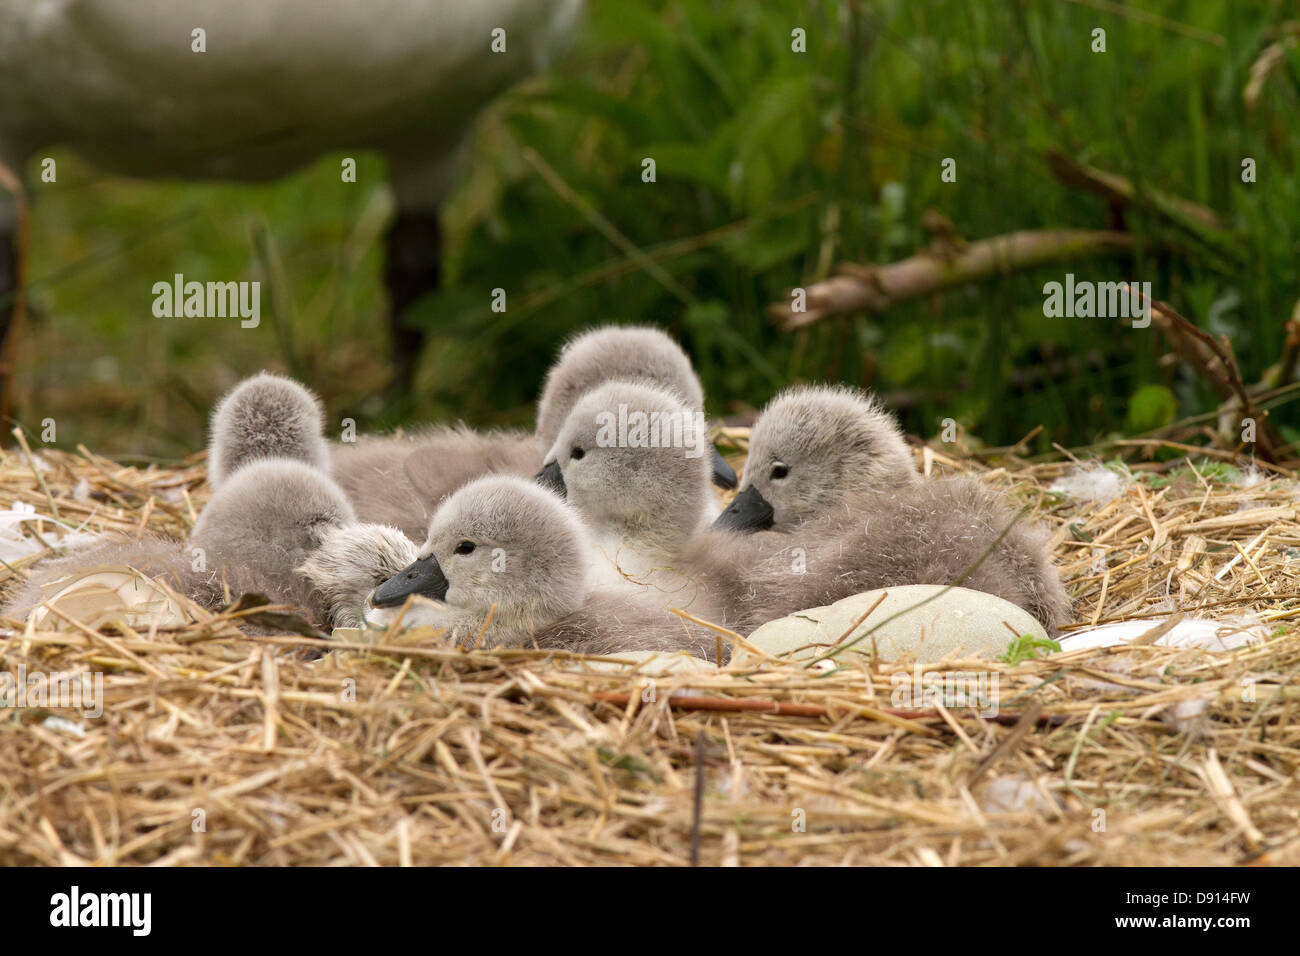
(234, 90)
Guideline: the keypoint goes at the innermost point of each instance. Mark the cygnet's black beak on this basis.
(422, 577)
(724, 476)
(749, 512)
(552, 478)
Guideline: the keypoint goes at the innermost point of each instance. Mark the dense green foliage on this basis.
(771, 167)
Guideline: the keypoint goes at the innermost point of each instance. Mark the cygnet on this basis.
(277, 527)
(265, 416)
(506, 561)
(631, 458)
(811, 451)
(952, 531)
(401, 481)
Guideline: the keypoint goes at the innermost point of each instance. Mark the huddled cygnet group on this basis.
(578, 535)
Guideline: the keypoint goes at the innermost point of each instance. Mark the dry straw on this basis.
(218, 748)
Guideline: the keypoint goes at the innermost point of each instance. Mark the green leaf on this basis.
(1151, 407)
(1027, 647)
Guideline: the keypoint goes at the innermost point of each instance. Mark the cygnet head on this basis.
(812, 450)
(500, 542)
(623, 353)
(267, 517)
(632, 458)
(265, 416)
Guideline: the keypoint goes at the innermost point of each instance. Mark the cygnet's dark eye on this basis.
(780, 471)
(465, 547)
(577, 453)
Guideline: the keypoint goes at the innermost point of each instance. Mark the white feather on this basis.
(1223, 635)
(1090, 482)
(17, 541)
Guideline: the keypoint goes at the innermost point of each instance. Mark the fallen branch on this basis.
(1213, 359)
(879, 288)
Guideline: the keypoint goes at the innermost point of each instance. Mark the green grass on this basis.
(771, 167)
(1027, 647)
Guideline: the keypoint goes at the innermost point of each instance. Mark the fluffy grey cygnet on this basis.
(266, 519)
(257, 528)
(631, 458)
(829, 466)
(812, 449)
(597, 356)
(265, 416)
(621, 353)
(950, 531)
(507, 560)
(293, 529)
(279, 527)
(402, 481)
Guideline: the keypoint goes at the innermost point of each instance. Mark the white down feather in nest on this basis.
(16, 542)
(1090, 481)
(1237, 631)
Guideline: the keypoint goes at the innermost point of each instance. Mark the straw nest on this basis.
(218, 748)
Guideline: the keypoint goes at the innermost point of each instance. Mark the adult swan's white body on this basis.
(280, 81)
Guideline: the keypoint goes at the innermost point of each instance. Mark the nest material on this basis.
(219, 748)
